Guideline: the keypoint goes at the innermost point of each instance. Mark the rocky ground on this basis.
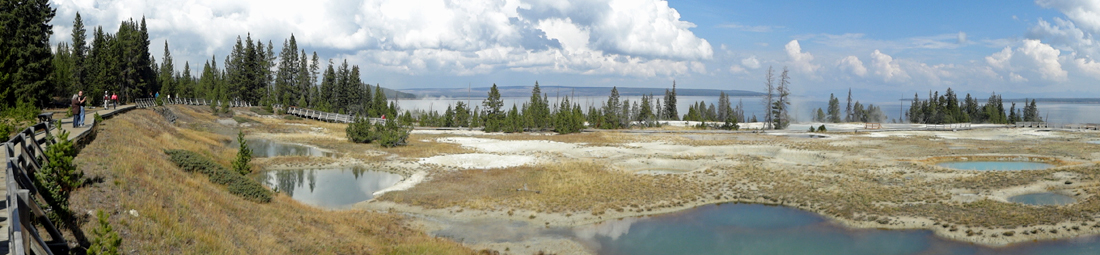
(860, 179)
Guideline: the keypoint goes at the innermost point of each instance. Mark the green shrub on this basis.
(388, 133)
(821, 129)
(6, 130)
(392, 134)
(244, 155)
(238, 184)
(360, 131)
(812, 129)
(59, 178)
(105, 240)
(98, 119)
(250, 190)
(21, 112)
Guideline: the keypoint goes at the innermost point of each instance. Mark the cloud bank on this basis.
(638, 38)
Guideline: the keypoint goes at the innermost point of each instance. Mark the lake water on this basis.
(262, 148)
(995, 165)
(761, 229)
(1044, 198)
(330, 188)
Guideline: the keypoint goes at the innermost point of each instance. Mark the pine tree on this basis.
(25, 54)
(670, 104)
(769, 98)
(287, 76)
(781, 117)
(848, 110)
(167, 83)
(314, 69)
(834, 109)
(612, 110)
(494, 118)
(80, 53)
(327, 100)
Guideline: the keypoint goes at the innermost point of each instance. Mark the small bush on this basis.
(59, 178)
(98, 119)
(812, 129)
(360, 131)
(244, 155)
(391, 134)
(238, 184)
(822, 129)
(6, 130)
(387, 134)
(21, 112)
(105, 240)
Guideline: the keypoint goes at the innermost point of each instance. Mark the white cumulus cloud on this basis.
(1031, 58)
(800, 61)
(885, 66)
(625, 37)
(853, 65)
(750, 62)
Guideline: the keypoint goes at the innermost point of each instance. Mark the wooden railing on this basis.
(953, 126)
(150, 102)
(1079, 126)
(25, 157)
(327, 116)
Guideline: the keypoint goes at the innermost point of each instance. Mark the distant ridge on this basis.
(1057, 100)
(1041, 100)
(391, 94)
(525, 91)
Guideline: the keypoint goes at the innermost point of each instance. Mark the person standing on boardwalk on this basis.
(114, 101)
(78, 109)
(74, 109)
(106, 99)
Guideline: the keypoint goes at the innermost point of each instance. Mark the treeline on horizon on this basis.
(539, 114)
(566, 116)
(854, 112)
(946, 109)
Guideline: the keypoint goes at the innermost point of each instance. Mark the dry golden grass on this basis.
(183, 213)
(562, 187)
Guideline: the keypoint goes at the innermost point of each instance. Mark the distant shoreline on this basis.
(561, 91)
(1043, 100)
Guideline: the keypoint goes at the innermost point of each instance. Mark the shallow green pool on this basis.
(262, 148)
(330, 188)
(761, 229)
(995, 165)
(1045, 198)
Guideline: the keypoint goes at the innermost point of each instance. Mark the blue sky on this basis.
(881, 49)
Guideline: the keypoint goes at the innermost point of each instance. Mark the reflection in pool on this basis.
(995, 165)
(1044, 198)
(262, 148)
(761, 229)
(330, 188)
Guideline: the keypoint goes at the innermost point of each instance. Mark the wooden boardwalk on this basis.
(75, 134)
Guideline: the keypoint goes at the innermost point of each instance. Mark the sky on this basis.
(881, 50)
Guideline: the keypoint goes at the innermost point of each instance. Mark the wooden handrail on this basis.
(24, 157)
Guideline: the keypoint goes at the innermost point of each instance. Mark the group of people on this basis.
(78, 102)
